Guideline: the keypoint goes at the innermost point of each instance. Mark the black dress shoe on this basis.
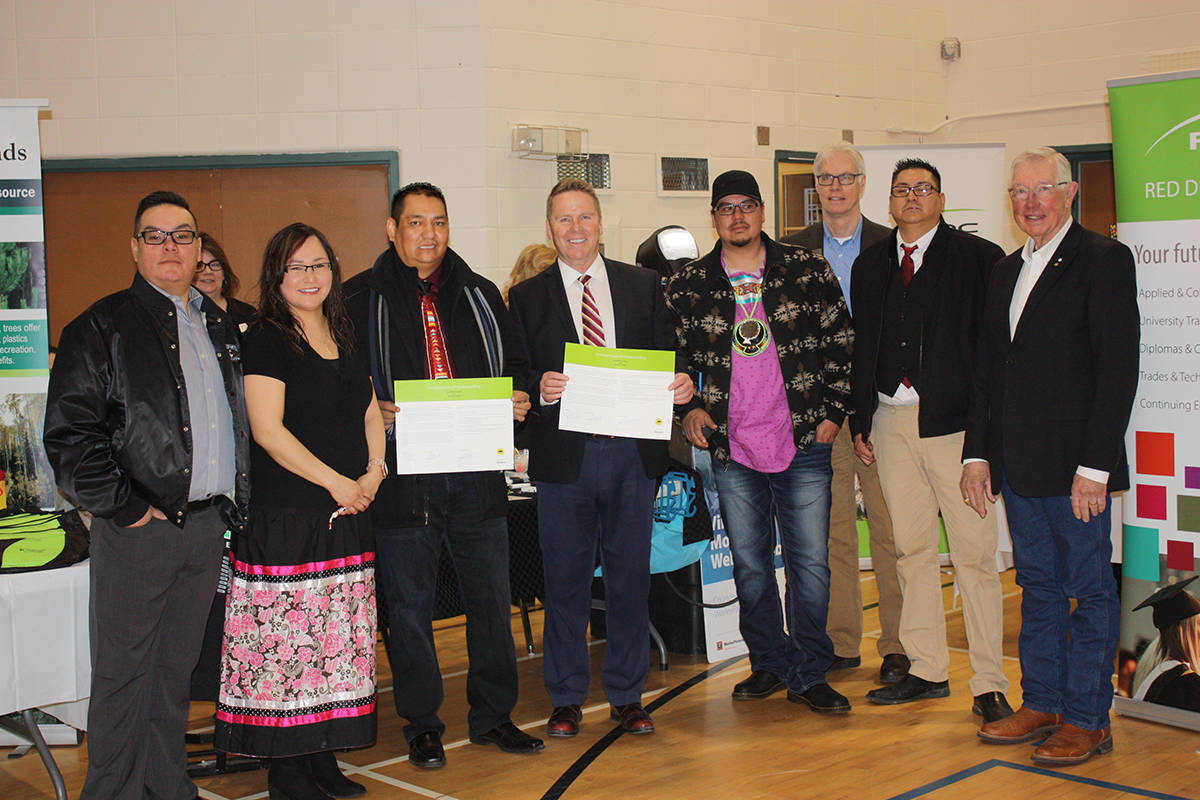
(564, 721)
(327, 775)
(760, 684)
(425, 751)
(822, 698)
(894, 668)
(991, 706)
(909, 689)
(633, 718)
(844, 662)
(510, 739)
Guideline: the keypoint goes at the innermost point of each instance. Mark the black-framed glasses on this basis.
(919, 189)
(727, 209)
(1041, 191)
(155, 236)
(845, 179)
(212, 266)
(299, 269)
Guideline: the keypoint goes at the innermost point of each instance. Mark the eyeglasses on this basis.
(155, 236)
(920, 190)
(214, 266)
(298, 269)
(1041, 191)
(727, 209)
(845, 179)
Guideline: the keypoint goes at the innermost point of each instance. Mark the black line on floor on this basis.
(584, 761)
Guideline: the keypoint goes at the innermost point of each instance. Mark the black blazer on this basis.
(543, 317)
(960, 264)
(813, 237)
(1057, 396)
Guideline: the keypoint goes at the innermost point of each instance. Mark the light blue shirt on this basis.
(841, 255)
(210, 419)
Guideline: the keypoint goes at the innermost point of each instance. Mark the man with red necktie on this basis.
(594, 492)
(918, 300)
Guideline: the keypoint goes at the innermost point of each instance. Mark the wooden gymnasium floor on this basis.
(708, 746)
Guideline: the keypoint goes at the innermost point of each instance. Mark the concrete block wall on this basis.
(444, 83)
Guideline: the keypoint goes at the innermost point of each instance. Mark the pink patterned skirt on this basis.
(298, 657)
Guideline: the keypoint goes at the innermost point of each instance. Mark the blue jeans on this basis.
(798, 499)
(1066, 657)
(407, 571)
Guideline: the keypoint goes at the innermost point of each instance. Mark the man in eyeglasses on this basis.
(420, 313)
(843, 233)
(918, 300)
(766, 327)
(1059, 370)
(146, 429)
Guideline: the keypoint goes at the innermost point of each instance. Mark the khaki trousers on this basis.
(844, 625)
(918, 477)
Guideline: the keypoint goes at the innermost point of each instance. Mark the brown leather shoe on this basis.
(633, 718)
(564, 721)
(1023, 726)
(1073, 745)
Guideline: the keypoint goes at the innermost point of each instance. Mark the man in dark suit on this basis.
(594, 492)
(918, 299)
(841, 235)
(1059, 369)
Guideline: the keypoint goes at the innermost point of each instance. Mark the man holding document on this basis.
(766, 325)
(422, 315)
(595, 451)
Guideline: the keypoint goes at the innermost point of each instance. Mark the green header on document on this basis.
(449, 389)
(619, 358)
(1156, 148)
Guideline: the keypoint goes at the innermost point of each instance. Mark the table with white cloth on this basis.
(45, 653)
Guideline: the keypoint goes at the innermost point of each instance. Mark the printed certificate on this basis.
(455, 425)
(617, 391)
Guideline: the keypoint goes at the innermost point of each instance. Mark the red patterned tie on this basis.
(437, 359)
(593, 327)
(907, 267)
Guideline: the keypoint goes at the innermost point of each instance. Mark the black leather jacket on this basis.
(117, 415)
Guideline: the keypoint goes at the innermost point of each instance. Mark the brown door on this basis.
(89, 221)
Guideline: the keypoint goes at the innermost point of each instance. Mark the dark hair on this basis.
(918, 163)
(273, 308)
(159, 198)
(230, 283)
(421, 188)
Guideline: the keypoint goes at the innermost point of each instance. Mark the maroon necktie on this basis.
(907, 267)
(593, 327)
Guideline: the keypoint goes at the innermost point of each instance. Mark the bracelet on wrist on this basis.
(378, 462)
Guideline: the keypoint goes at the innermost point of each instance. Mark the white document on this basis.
(457, 425)
(617, 391)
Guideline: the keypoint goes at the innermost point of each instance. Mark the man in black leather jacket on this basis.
(146, 429)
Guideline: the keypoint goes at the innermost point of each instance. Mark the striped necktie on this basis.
(593, 327)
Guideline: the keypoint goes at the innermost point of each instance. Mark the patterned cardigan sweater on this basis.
(813, 335)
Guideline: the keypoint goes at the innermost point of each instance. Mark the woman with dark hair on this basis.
(298, 664)
(216, 279)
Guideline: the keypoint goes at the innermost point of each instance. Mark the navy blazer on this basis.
(543, 316)
(1057, 394)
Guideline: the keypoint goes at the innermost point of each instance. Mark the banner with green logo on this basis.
(1156, 160)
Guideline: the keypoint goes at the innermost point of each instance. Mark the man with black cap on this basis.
(766, 327)
(1174, 682)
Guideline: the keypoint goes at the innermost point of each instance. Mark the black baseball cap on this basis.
(735, 181)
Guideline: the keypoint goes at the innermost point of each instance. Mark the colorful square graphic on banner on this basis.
(1187, 513)
(1181, 555)
(1140, 550)
(1155, 453)
(1191, 477)
(1151, 501)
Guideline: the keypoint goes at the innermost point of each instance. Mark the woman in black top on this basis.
(298, 667)
(216, 279)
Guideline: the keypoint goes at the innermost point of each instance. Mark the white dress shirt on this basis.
(598, 284)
